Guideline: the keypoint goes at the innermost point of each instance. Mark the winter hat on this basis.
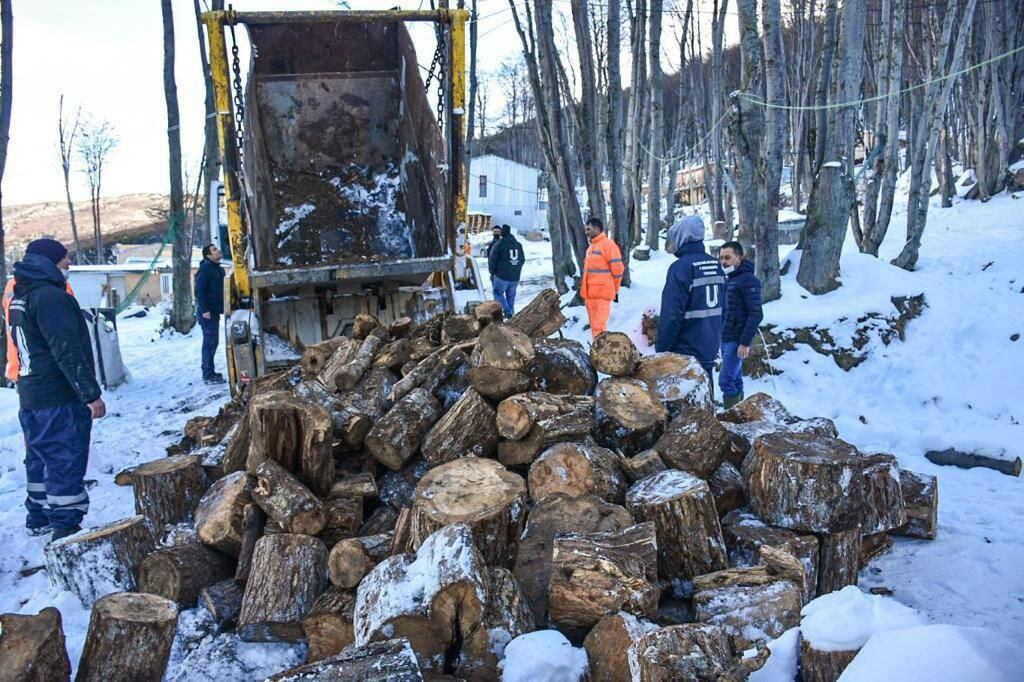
(687, 229)
(50, 248)
(506, 230)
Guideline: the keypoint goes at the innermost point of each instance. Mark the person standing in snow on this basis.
(742, 316)
(57, 390)
(505, 262)
(209, 291)
(602, 276)
(693, 298)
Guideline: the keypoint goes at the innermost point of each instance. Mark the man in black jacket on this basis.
(743, 314)
(57, 390)
(505, 263)
(209, 291)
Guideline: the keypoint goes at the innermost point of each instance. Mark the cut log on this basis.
(286, 501)
(489, 312)
(179, 573)
(820, 665)
(758, 408)
(219, 521)
(454, 363)
(562, 367)
(608, 646)
(236, 446)
(32, 648)
(479, 493)
(222, 600)
(288, 573)
(400, 328)
(694, 441)
(540, 317)
(695, 651)
(422, 345)
(883, 497)
(613, 353)
(338, 359)
(397, 488)
(130, 636)
(577, 469)
(969, 460)
(552, 516)
(683, 511)
(418, 375)
(315, 356)
(350, 560)
(679, 381)
(372, 395)
(838, 560)
(253, 523)
(746, 536)
(390, 661)
(124, 476)
(294, 433)
(400, 536)
(459, 328)
(382, 520)
(921, 501)
(342, 518)
(446, 575)
(572, 427)
(628, 416)
(394, 440)
(594, 575)
(364, 325)
(500, 361)
(517, 415)
(101, 560)
(328, 626)
(643, 465)
(506, 616)
(168, 490)
(466, 430)
(349, 374)
(498, 384)
(348, 424)
(393, 355)
(750, 603)
(872, 546)
(727, 487)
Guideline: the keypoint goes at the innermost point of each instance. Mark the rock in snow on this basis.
(543, 655)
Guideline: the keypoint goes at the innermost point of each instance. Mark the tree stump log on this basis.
(727, 488)
(594, 575)
(608, 646)
(679, 381)
(32, 648)
(315, 357)
(459, 328)
(400, 328)
(364, 325)
(506, 616)
(750, 603)
(884, 509)
(286, 501)
(518, 414)
(746, 535)
(350, 560)
(694, 441)
(328, 627)
(550, 517)
(872, 546)
(348, 375)
(541, 316)
(219, 516)
(168, 490)
(295, 434)
(372, 395)
(348, 424)
(130, 636)
(223, 601)
(572, 427)
(382, 520)
(362, 485)
(503, 347)
(447, 576)
(641, 466)
(342, 518)
(818, 665)
(390, 661)
(253, 523)
(613, 353)
(480, 493)
(489, 312)
(695, 651)
(758, 407)
(101, 560)
(394, 440)
(838, 560)
(683, 511)
(577, 469)
(288, 573)
(921, 501)
(467, 429)
(562, 367)
(180, 573)
(628, 416)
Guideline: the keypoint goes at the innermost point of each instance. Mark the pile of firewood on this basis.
(410, 500)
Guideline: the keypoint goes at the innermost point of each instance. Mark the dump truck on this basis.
(343, 188)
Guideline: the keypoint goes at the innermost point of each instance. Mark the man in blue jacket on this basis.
(692, 300)
(57, 390)
(742, 316)
(209, 291)
(505, 263)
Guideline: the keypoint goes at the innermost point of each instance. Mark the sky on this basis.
(107, 57)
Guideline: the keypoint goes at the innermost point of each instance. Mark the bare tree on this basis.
(96, 142)
(657, 105)
(67, 130)
(473, 78)
(613, 122)
(587, 109)
(211, 146)
(720, 208)
(638, 117)
(766, 232)
(746, 126)
(6, 102)
(483, 96)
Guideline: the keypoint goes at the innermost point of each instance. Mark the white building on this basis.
(507, 191)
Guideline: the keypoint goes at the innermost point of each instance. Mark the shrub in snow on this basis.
(543, 655)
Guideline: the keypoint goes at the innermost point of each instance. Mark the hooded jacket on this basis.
(52, 339)
(209, 288)
(505, 259)
(743, 305)
(693, 299)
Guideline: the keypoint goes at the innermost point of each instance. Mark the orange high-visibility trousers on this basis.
(598, 310)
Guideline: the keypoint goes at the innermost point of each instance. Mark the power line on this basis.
(689, 152)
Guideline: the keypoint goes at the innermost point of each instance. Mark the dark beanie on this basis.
(506, 230)
(51, 248)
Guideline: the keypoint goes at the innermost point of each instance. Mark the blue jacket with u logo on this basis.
(505, 259)
(692, 304)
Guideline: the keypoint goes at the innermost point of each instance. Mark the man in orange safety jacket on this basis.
(13, 364)
(602, 276)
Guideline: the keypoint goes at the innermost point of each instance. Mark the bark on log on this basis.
(489, 312)
(818, 665)
(750, 603)
(694, 441)
(315, 357)
(364, 325)
(838, 560)
(467, 429)
(683, 511)
(236, 448)
(613, 353)
(395, 439)
(219, 521)
(562, 367)
(695, 651)
(350, 560)
(628, 416)
(382, 520)
(727, 488)
(643, 465)
(541, 316)
(479, 493)
(351, 372)
(223, 601)
(884, 509)
(389, 661)
(418, 375)
(253, 522)
(124, 476)
(454, 363)
(372, 395)
(286, 501)
(679, 381)
(572, 427)
(594, 575)
(342, 518)
(758, 408)
(517, 415)
(32, 648)
(746, 535)
(168, 490)
(506, 616)
(921, 500)
(577, 469)
(328, 627)
(288, 573)
(500, 361)
(130, 636)
(872, 546)
(393, 355)
(348, 423)
(459, 328)
(554, 515)
(335, 361)
(498, 384)
(608, 646)
(179, 573)
(101, 560)
(362, 485)
(295, 434)
(967, 460)
(400, 328)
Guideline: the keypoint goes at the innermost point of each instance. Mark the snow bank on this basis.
(782, 664)
(543, 655)
(845, 620)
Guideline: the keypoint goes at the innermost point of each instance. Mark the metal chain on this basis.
(440, 81)
(239, 100)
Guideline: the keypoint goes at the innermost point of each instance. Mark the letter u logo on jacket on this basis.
(513, 256)
(711, 296)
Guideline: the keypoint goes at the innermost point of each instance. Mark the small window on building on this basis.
(166, 285)
(519, 213)
(483, 186)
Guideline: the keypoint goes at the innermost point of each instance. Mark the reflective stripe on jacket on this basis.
(13, 364)
(602, 270)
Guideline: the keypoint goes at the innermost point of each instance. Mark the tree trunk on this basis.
(679, 381)
(839, 560)
(577, 469)
(618, 226)
(823, 665)
(720, 209)
(749, 603)
(211, 148)
(179, 573)
(294, 433)
(747, 128)
(517, 415)
(129, 638)
(562, 367)
(695, 651)
(66, 141)
(695, 441)
(467, 429)
(541, 316)
(656, 148)
(637, 118)
(394, 440)
(6, 102)
(286, 501)
(766, 232)
(474, 84)
(507, 615)
(32, 648)
(168, 490)
(921, 500)
(588, 110)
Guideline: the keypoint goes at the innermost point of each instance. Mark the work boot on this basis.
(59, 533)
(214, 378)
(36, 531)
(730, 401)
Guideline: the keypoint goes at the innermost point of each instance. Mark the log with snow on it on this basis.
(614, 354)
(396, 438)
(761, 414)
(540, 317)
(694, 441)
(750, 603)
(129, 638)
(543, 655)
(349, 423)
(168, 490)
(180, 573)
(694, 651)
(573, 426)
(500, 361)
(518, 414)
(745, 535)
(506, 616)
(679, 381)
(642, 465)
(562, 367)
(388, 661)
(32, 647)
(286, 501)
(727, 487)
(921, 499)
(608, 645)
(970, 460)
(628, 415)
(577, 469)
